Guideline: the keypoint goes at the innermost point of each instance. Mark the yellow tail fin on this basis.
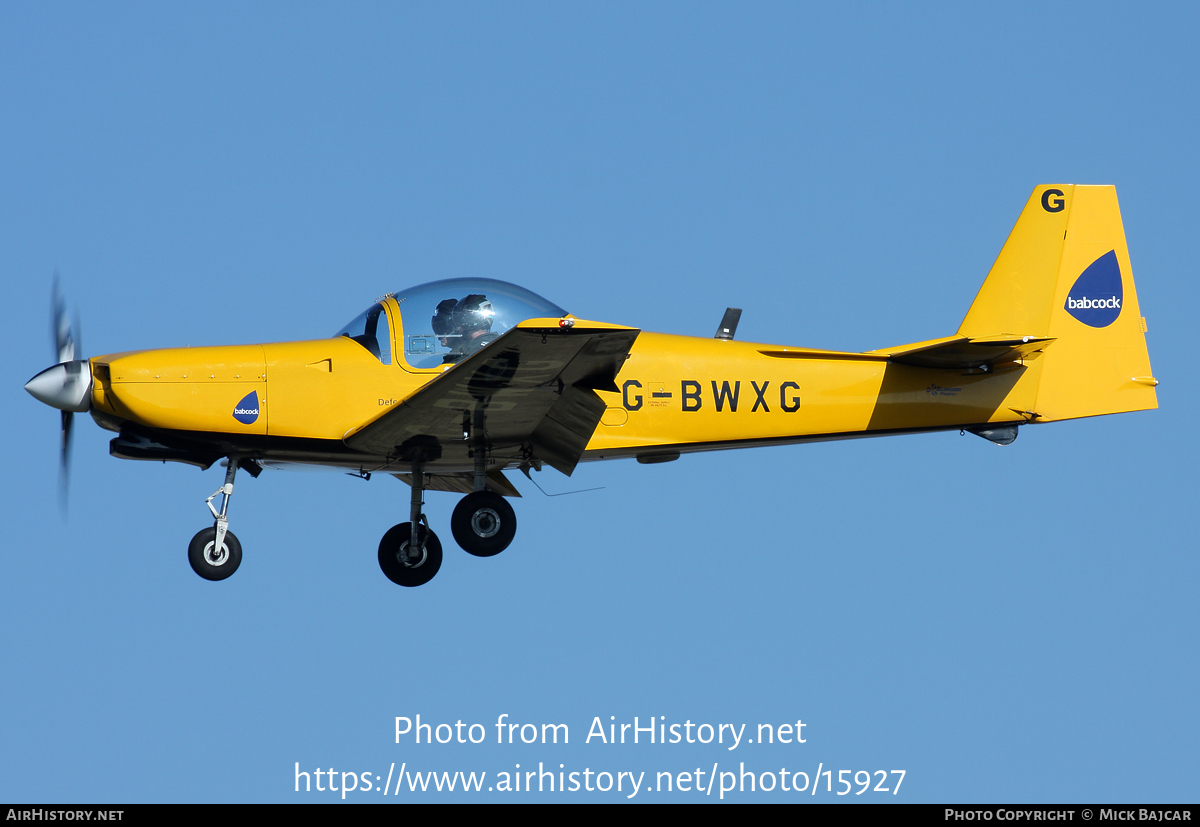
(1064, 274)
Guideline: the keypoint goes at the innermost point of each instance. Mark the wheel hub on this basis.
(411, 561)
(215, 558)
(485, 523)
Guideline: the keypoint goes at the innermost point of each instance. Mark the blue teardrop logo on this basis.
(246, 411)
(1095, 297)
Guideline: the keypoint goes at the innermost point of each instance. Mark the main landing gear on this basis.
(410, 554)
(215, 553)
(483, 523)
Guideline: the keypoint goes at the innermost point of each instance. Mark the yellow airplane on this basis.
(448, 384)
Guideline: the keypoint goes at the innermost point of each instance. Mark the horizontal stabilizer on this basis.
(951, 353)
(964, 353)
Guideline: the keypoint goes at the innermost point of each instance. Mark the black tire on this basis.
(483, 523)
(211, 566)
(393, 554)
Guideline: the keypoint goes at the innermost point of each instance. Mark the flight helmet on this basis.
(443, 318)
(473, 313)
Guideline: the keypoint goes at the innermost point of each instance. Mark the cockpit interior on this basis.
(443, 322)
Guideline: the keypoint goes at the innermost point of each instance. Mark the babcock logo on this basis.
(1095, 297)
(246, 411)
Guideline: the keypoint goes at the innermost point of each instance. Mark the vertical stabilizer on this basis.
(1017, 297)
(1064, 273)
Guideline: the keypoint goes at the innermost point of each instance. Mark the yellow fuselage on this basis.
(675, 393)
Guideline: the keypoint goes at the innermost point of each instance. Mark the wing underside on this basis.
(464, 483)
(528, 396)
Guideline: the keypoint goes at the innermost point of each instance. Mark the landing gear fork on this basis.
(226, 494)
(482, 522)
(409, 553)
(215, 553)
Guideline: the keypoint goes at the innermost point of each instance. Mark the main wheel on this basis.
(211, 563)
(399, 566)
(483, 523)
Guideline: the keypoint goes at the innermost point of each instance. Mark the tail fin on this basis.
(1064, 274)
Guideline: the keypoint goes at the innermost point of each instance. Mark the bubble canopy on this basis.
(443, 322)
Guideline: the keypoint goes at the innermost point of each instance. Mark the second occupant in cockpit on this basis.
(444, 329)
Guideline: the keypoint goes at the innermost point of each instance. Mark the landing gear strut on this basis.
(215, 553)
(409, 553)
(483, 522)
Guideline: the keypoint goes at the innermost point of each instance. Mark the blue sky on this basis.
(1012, 624)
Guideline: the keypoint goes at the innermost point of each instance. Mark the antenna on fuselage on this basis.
(729, 323)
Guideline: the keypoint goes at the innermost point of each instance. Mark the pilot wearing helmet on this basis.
(472, 319)
(444, 328)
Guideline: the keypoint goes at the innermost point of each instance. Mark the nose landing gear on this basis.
(215, 553)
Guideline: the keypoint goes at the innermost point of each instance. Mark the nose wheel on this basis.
(483, 523)
(211, 562)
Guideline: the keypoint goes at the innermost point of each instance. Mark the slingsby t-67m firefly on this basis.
(451, 383)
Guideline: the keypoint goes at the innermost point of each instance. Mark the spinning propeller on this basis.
(67, 385)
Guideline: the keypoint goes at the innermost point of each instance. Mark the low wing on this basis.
(529, 394)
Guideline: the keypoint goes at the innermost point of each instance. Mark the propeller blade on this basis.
(64, 467)
(67, 385)
(60, 325)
